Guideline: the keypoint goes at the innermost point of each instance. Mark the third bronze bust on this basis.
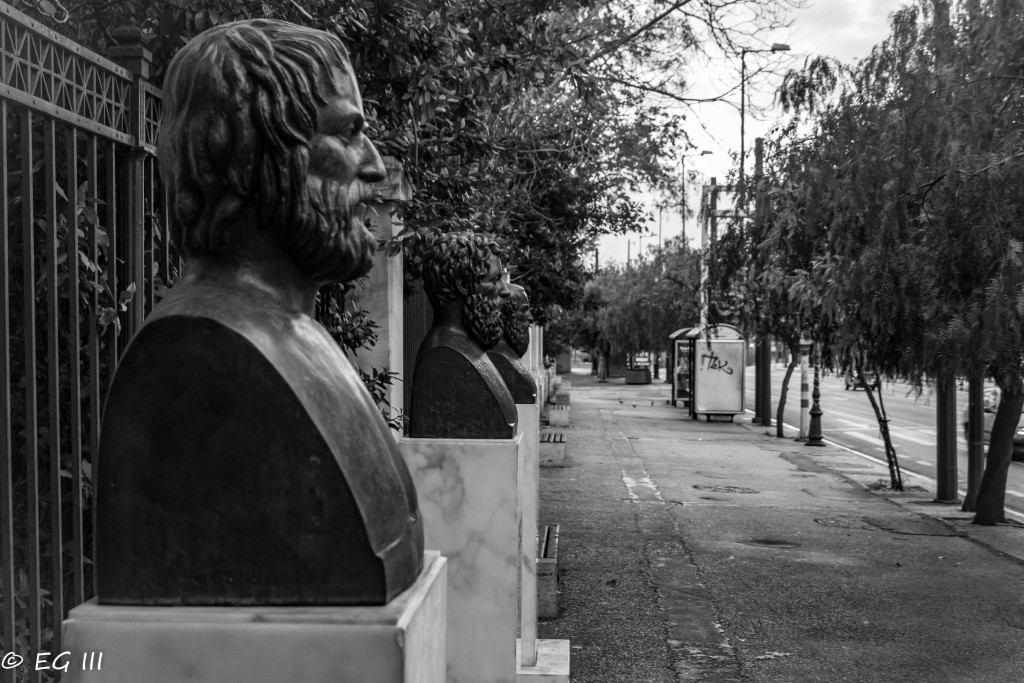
(242, 461)
(457, 393)
(515, 340)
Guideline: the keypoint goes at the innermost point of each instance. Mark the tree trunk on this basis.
(606, 356)
(794, 359)
(895, 476)
(975, 435)
(992, 490)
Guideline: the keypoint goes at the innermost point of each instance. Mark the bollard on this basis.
(814, 437)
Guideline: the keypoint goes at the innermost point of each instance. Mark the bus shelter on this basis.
(678, 367)
(717, 360)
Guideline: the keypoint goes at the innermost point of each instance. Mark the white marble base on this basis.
(401, 642)
(540, 376)
(468, 496)
(552, 663)
(558, 416)
(529, 483)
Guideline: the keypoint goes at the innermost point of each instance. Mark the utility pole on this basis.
(776, 47)
(705, 243)
(763, 348)
(682, 190)
(660, 210)
(945, 448)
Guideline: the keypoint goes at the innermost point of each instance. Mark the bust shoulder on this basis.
(276, 419)
(457, 392)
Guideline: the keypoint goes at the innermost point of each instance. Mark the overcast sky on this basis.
(844, 29)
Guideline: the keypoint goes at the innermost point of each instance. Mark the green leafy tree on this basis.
(642, 303)
(892, 233)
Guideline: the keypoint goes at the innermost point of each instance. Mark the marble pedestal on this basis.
(529, 500)
(537, 661)
(468, 496)
(558, 416)
(401, 642)
(552, 664)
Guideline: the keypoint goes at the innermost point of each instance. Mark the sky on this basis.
(844, 29)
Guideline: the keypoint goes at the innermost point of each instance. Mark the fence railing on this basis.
(83, 258)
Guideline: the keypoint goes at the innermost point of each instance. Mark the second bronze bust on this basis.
(457, 393)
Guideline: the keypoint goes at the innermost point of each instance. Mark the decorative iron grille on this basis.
(83, 257)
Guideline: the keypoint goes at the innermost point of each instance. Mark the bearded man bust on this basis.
(508, 353)
(242, 461)
(457, 393)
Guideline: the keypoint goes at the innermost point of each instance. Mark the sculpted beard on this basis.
(327, 238)
(516, 329)
(482, 316)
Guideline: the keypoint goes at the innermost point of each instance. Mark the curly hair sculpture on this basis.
(454, 263)
(237, 135)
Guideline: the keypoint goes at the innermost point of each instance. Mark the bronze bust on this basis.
(515, 341)
(457, 392)
(242, 461)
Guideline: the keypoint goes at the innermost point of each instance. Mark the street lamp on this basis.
(682, 202)
(776, 47)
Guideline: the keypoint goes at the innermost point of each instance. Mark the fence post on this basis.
(131, 53)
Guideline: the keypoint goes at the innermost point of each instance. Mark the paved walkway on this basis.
(695, 551)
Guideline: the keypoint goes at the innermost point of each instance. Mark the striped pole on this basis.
(805, 403)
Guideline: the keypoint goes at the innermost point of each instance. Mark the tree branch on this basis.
(616, 44)
(661, 91)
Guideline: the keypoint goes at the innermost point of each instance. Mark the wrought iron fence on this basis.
(83, 258)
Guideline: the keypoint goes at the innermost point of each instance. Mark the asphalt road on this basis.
(848, 419)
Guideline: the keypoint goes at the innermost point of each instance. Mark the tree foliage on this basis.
(634, 308)
(892, 233)
(530, 120)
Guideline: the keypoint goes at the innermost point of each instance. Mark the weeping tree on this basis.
(641, 304)
(894, 236)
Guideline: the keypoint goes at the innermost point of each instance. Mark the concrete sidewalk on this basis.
(695, 551)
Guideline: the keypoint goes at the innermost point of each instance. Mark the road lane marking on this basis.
(900, 434)
(644, 484)
(855, 425)
(897, 435)
(865, 437)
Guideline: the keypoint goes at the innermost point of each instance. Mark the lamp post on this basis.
(814, 437)
(776, 47)
(682, 201)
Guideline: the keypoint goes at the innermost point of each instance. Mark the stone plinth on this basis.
(529, 483)
(401, 642)
(382, 294)
(558, 416)
(468, 495)
(552, 664)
